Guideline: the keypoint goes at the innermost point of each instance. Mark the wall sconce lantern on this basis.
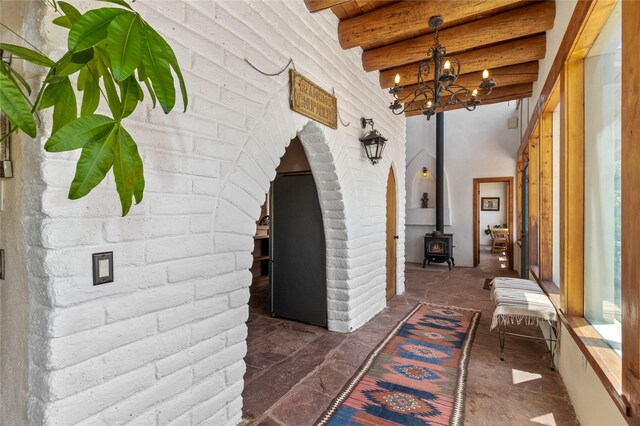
(373, 142)
(425, 172)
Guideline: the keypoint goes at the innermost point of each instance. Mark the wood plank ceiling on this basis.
(508, 37)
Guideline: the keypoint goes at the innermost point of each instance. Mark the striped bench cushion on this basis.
(519, 301)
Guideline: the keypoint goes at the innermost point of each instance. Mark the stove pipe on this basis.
(440, 172)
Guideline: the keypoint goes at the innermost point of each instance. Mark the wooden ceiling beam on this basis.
(409, 18)
(525, 21)
(318, 5)
(499, 94)
(503, 76)
(500, 55)
(515, 97)
(358, 7)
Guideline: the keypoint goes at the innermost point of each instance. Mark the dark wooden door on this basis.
(298, 253)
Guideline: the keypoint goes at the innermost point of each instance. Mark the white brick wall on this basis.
(165, 342)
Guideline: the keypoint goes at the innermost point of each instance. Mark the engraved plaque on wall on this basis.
(309, 99)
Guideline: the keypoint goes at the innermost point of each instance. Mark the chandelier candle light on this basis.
(441, 91)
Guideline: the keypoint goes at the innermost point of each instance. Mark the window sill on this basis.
(535, 270)
(603, 359)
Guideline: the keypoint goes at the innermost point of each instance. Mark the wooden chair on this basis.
(499, 240)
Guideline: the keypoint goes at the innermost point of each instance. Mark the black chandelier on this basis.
(440, 91)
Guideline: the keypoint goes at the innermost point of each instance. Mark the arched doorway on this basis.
(392, 236)
(298, 279)
(289, 308)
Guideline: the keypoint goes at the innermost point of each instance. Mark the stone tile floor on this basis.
(295, 370)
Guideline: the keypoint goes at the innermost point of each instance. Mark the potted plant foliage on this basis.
(111, 54)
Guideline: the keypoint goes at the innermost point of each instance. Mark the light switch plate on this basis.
(102, 268)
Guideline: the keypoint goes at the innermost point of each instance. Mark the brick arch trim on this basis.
(248, 178)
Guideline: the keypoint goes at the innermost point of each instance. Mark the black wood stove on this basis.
(438, 248)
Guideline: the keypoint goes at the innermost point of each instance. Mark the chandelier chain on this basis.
(272, 74)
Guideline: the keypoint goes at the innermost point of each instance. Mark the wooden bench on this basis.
(522, 302)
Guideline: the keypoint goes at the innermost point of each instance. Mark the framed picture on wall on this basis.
(490, 204)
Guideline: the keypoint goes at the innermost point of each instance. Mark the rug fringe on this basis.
(457, 417)
(438, 305)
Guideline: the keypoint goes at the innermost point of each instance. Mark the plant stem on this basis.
(22, 38)
(13, 130)
(98, 82)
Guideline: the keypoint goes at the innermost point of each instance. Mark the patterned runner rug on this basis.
(415, 376)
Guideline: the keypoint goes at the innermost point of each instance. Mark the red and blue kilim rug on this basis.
(415, 376)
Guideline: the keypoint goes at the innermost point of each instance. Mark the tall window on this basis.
(602, 215)
(556, 197)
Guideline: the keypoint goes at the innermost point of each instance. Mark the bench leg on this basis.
(501, 337)
(553, 342)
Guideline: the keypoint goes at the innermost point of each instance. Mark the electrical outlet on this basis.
(102, 268)
(6, 169)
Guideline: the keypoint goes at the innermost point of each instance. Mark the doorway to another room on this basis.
(493, 221)
(289, 269)
(288, 295)
(392, 237)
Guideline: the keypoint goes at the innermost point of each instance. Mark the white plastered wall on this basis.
(165, 341)
(477, 144)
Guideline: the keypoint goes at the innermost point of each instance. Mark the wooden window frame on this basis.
(546, 195)
(565, 86)
(533, 234)
(631, 206)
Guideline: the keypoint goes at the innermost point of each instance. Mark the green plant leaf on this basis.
(66, 108)
(130, 90)
(94, 163)
(102, 60)
(83, 56)
(173, 61)
(90, 95)
(63, 99)
(79, 132)
(63, 68)
(32, 56)
(50, 93)
(15, 106)
(157, 68)
(151, 92)
(71, 12)
(91, 28)
(112, 94)
(125, 46)
(63, 21)
(142, 76)
(127, 169)
(119, 2)
(82, 78)
(15, 76)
